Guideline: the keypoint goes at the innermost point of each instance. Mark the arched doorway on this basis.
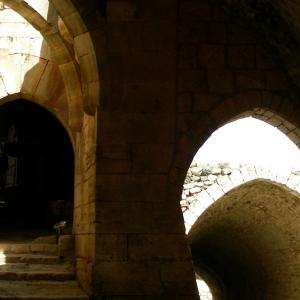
(36, 168)
(247, 270)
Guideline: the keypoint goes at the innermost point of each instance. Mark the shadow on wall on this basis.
(41, 162)
(246, 244)
(42, 190)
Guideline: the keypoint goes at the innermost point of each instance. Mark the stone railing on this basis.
(205, 183)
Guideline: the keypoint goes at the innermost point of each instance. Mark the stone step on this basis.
(29, 258)
(42, 290)
(23, 271)
(28, 248)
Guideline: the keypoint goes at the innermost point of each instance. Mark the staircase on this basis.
(35, 271)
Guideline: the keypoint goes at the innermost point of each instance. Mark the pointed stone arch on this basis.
(271, 107)
(79, 70)
(237, 177)
(42, 165)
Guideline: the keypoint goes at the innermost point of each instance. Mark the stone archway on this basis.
(246, 244)
(54, 65)
(37, 182)
(194, 128)
(222, 179)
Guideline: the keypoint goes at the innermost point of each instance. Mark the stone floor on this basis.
(30, 268)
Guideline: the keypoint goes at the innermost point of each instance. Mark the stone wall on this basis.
(171, 73)
(246, 245)
(206, 183)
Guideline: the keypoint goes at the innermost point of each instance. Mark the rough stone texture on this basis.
(235, 246)
(66, 246)
(26, 274)
(171, 73)
(207, 183)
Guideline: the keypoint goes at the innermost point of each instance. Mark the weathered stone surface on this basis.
(27, 275)
(198, 195)
(241, 224)
(164, 67)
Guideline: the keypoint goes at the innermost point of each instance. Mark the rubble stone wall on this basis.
(206, 183)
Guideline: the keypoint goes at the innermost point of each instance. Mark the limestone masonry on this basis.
(206, 183)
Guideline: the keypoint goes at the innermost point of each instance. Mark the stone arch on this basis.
(249, 237)
(79, 84)
(231, 179)
(86, 55)
(263, 105)
(27, 68)
(43, 165)
(61, 55)
(269, 106)
(56, 114)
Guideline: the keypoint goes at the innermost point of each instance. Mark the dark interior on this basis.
(246, 245)
(36, 168)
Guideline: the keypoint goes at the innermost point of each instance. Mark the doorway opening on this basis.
(238, 202)
(36, 170)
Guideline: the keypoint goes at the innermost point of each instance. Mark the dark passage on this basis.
(36, 168)
(246, 245)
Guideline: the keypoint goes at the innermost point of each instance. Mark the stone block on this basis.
(85, 245)
(277, 81)
(84, 272)
(264, 58)
(189, 218)
(157, 10)
(177, 177)
(153, 128)
(178, 278)
(216, 33)
(119, 166)
(66, 246)
(142, 98)
(192, 80)
(157, 67)
(192, 32)
(158, 247)
(187, 57)
(246, 101)
(236, 178)
(186, 122)
(151, 158)
(196, 208)
(293, 181)
(215, 191)
(195, 10)
(114, 151)
(50, 84)
(241, 57)
(211, 56)
(113, 217)
(220, 81)
(204, 101)
(184, 101)
(122, 37)
(128, 278)
(159, 36)
(111, 247)
(250, 80)
(204, 199)
(117, 10)
(177, 271)
(32, 70)
(89, 70)
(240, 34)
(149, 187)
